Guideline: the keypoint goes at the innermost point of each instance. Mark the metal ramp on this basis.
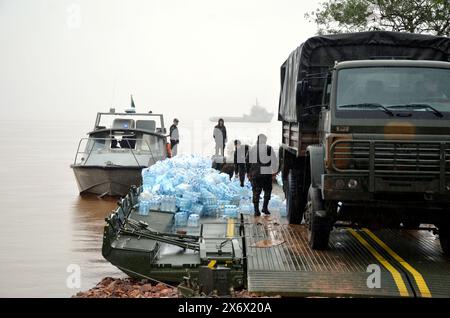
(280, 262)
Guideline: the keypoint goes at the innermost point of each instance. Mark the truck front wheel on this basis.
(318, 220)
(294, 210)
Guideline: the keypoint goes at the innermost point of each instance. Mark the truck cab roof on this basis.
(391, 63)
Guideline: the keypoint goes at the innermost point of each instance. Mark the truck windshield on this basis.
(414, 91)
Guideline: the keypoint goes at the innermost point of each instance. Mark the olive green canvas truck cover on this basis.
(318, 54)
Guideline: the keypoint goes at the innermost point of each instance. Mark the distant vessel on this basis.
(110, 160)
(258, 114)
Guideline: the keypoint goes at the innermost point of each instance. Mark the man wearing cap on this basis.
(263, 164)
(174, 137)
(240, 161)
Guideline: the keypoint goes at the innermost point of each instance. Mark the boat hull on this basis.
(112, 181)
(145, 258)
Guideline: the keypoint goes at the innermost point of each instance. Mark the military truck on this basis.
(366, 132)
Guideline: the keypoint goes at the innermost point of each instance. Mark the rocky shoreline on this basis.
(110, 287)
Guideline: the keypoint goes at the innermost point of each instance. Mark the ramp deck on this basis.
(280, 261)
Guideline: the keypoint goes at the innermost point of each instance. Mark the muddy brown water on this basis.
(47, 228)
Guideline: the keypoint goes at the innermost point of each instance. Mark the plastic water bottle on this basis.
(171, 204)
(144, 208)
(197, 209)
(245, 206)
(154, 204)
(193, 220)
(275, 203)
(185, 204)
(230, 211)
(283, 209)
(181, 219)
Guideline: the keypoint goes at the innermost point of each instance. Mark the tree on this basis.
(415, 16)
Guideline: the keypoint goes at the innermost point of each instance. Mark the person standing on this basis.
(174, 137)
(263, 164)
(240, 161)
(220, 137)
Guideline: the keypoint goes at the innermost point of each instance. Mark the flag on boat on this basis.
(132, 102)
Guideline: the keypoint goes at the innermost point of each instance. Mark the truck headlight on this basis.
(339, 184)
(352, 184)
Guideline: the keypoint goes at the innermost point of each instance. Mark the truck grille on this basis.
(388, 156)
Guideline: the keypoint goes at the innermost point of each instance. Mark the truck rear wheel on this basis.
(444, 238)
(294, 209)
(318, 220)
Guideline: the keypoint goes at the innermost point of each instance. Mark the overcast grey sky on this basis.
(186, 58)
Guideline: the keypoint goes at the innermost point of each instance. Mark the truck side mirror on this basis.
(302, 92)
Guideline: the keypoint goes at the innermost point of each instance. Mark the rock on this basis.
(135, 293)
(111, 286)
(165, 291)
(128, 288)
(146, 288)
(160, 286)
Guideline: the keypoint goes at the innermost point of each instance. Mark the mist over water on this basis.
(62, 61)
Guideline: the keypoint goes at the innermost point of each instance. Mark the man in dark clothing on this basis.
(240, 161)
(174, 137)
(263, 164)
(220, 137)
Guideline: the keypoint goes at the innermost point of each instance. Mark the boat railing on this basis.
(92, 144)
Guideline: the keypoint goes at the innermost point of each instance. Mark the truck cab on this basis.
(375, 151)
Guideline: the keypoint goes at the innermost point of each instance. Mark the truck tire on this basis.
(312, 204)
(444, 238)
(319, 226)
(294, 210)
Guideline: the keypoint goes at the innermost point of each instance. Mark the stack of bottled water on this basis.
(197, 208)
(193, 220)
(181, 219)
(245, 206)
(188, 185)
(147, 202)
(230, 211)
(168, 203)
(144, 208)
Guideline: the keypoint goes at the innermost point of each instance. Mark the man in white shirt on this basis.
(174, 137)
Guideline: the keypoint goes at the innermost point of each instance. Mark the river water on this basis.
(47, 228)
(49, 233)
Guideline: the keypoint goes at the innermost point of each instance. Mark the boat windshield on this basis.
(382, 92)
(116, 149)
(149, 122)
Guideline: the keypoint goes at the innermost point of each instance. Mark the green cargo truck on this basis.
(366, 132)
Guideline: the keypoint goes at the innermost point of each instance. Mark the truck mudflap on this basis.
(359, 262)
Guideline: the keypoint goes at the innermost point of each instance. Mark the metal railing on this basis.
(105, 144)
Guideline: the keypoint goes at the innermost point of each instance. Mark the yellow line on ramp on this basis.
(394, 272)
(420, 281)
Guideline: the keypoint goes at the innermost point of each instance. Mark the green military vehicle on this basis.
(366, 132)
